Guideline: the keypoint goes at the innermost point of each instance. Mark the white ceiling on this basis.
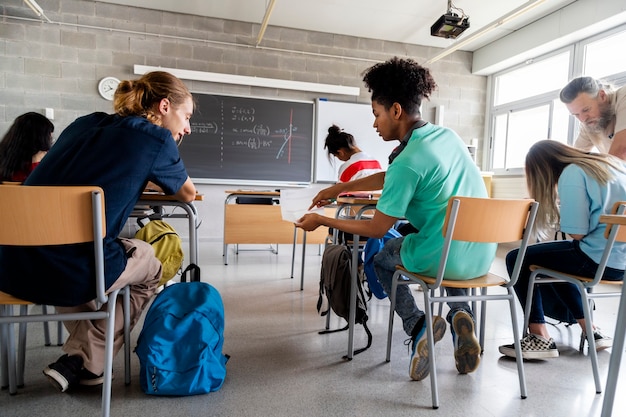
(406, 21)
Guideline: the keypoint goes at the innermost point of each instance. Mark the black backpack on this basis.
(335, 281)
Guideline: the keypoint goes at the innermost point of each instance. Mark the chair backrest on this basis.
(613, 233)
(487, 219)
(55, 215)
(618, 208)
(48, 215)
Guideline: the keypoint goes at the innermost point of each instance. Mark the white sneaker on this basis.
(601, 340)
(533, 347)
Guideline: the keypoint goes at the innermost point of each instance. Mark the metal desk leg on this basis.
(353, 290)
(193, 234)
(303, 254)
(192, 217)
(616, 357)
(293, 249)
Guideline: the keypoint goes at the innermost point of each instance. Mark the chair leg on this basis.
(9, 339)
(529, 302)
(46, 328)
(483, 321)
(108, 354)
(21, 348)
(60, 339)
(590, 340)
(4, 354)
(431, 349)
(126, 312)
(518, 346)
(392, 308)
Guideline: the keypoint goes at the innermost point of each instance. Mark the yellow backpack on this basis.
(167, 246)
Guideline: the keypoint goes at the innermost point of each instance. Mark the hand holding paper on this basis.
(294, 203)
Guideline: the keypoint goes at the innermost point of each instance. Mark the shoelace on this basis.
(408, 343)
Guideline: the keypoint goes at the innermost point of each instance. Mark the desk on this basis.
(161, 200)
(365, 204)
(259, 223)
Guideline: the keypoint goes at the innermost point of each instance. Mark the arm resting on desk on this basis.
(186, 193)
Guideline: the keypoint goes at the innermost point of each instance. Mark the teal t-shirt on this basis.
(582, 201)
(418, 184)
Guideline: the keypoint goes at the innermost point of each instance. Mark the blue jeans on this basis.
(385, 265)
(563, 256)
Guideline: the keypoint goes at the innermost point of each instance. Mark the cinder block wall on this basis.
(58, 65)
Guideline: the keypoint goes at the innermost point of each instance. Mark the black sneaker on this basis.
(65, 372)
(90, 379)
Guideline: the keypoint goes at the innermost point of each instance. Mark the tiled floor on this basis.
(281, 366)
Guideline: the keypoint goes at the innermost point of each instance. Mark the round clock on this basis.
(107, 87)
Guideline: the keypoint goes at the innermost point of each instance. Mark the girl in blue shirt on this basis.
(573, 189)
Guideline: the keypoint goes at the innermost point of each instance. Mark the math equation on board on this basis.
(249, 139)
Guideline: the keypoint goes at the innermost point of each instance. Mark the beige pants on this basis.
(87, 337)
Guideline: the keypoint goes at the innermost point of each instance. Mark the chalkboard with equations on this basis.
(249, 140)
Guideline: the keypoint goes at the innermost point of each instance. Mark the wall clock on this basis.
(107, 87)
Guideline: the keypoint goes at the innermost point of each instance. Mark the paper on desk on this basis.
(295, 202)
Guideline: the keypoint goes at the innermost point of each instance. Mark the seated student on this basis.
(433, 167)
(586, 186)
(356, 163)
(121, 153)
(24, 145)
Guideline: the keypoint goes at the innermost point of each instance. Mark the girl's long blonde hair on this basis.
(545, 162)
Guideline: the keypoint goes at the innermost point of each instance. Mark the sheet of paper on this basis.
(294, 202)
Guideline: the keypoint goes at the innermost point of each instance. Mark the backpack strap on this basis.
(369, 339)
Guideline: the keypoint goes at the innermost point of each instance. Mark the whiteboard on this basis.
(356, 119)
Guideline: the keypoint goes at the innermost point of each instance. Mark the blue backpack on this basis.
(180, 344)
(372, 247)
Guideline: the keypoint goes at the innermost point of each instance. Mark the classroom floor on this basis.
(281, 366)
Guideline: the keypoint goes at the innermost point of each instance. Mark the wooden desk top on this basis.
(156, 196)
(254, 193)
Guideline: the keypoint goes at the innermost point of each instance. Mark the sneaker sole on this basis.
(92, 382)
(510, 352)
(467, 352)
(603, 345)
(420, 365)
(57, 379)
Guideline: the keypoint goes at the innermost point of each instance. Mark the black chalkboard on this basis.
(249, 139)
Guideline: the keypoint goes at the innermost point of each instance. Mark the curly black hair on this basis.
(402, 81)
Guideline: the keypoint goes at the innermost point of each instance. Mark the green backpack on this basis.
(167, 246)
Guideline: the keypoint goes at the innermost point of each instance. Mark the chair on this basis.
(585, 285)
(473, 220)
(46, 329)
(73, 215)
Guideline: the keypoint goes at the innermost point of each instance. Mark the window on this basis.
(525, 110)
(516, 132)
(601, 59)
(525, 102)
(532, 79)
